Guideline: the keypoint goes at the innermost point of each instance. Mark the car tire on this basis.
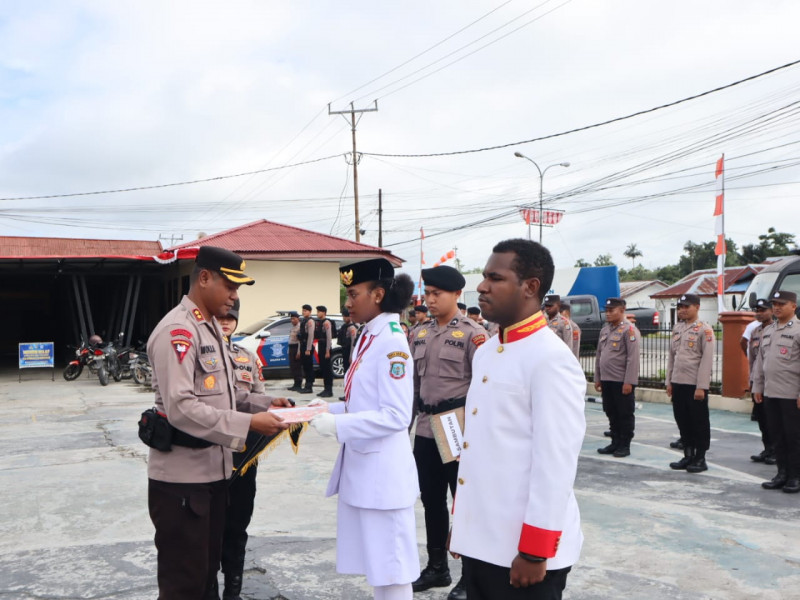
(337, 365)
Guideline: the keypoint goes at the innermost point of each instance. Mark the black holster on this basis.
(156, 431)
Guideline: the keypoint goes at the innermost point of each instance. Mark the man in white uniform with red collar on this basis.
(516, 521)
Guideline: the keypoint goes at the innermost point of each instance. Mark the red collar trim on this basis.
(523, 329)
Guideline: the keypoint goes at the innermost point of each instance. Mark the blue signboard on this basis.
(36, 355)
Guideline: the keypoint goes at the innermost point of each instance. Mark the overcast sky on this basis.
(98, 95)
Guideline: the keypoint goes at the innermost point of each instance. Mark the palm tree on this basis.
(632, 252)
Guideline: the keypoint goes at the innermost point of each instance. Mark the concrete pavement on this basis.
(74, 522)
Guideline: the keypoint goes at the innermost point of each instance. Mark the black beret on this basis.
(228, 264)
(784, 296)
(233, 313)
(307, 307)
(366, 270)
(551, 299)
(445, 278)
(473, 310)
(764, 303)
(345, 312)
(689, 299)
(614, 302)
(421, 308)
(322, 308)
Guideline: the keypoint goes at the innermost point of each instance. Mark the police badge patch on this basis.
(397, 369)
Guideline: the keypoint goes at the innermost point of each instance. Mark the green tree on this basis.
(604, 260)
(772, 243)
(637, 273)
(582, 263)
(632, 252)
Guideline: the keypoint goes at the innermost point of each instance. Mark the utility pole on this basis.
(380, 218)
(353, 123)
(172, 239)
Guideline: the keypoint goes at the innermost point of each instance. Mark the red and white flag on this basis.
(550, 217)
(719, 229)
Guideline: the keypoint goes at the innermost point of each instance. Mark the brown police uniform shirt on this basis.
(561, 327)
(443, 363)
(193, 382)
(777, 367)
(293, 339)
(309, 335)
(617, 357)
(247, 369)
(753, 348)
(576, 338)
(691, 354)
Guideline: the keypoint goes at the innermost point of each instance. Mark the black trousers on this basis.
(619, 409)
(784, 423)
(189, 518)
(691, 416)
(346, 357)
(295, 365)
(434, 479)
(308, 367)
(241, 498)
(326, 369)
(759, 415)
(485, 581)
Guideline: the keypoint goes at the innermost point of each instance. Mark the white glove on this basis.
(325, 424)
(317, 402)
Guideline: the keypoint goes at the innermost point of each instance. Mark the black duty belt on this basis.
(443, 406)
(181, 438)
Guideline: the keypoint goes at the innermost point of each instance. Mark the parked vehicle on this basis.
(141, 370)
(127, 356)
(783, 274)
(586, 312)
(269, 340)
(84, 357)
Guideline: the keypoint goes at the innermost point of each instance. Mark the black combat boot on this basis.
(326, 393)
(459, 592)
(677, 444)
(623, 450)
(233, 586)
(610, 448)
(688, 456)
(436, 574)
(776, 482)
(698, 464)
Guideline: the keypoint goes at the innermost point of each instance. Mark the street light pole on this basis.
(541, 191)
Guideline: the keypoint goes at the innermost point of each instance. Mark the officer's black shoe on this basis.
(622, 451)
(306, 390)
(436, 574)
(294, 388)
(770, 459)
(698, 465)
(233, 587)
(688, 456)
(608, 449)
(459, 592)
(776, 482)
(792, 486)
(759, 457)
(677, 444)
(608, 433)
(326, 394)
(342, 398)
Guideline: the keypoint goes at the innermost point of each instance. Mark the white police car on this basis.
(269, 339)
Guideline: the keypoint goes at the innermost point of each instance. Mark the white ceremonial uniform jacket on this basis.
(524, 427)
(375, 467)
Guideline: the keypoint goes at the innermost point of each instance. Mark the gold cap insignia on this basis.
(346, 277)
(243, 266)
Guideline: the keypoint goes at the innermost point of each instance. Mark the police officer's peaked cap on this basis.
(689, 299)
(764, 303)
(366, 270)
(473, 310)
(614, 302)
(784, 296)
(306, 307)
(444, 277)
(461, 306)
(233, 313)
(421, 308)
(228, 264)
(322, 308)
(551, 299)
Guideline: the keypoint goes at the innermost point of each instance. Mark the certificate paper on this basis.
(301, 414)
(448, 430)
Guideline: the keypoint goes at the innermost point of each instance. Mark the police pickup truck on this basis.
(783, 274)
(590, 317)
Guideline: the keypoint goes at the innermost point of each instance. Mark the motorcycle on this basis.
(141, 369)
(128, 359)
(86, 356)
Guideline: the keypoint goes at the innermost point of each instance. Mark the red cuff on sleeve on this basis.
(539, 542)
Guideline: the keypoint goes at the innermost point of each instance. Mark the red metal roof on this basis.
(704, 282)
(33, 247)
(267, 239)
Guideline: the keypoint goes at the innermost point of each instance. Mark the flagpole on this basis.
(719, 216)
(421, 262)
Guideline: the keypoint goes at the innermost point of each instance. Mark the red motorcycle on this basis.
(88, 355)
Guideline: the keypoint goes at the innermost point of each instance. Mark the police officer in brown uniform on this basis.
(295, 364)
(616, 374)
(421, 314)
(559, 325)
(776, 383)
(306, 338)
(691, 356)
(194, 386)
(566, 312)
(242, 490)
(443, 350)
(752, 345)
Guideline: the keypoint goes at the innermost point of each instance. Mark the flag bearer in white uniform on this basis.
(516, 521)
(375, 474)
